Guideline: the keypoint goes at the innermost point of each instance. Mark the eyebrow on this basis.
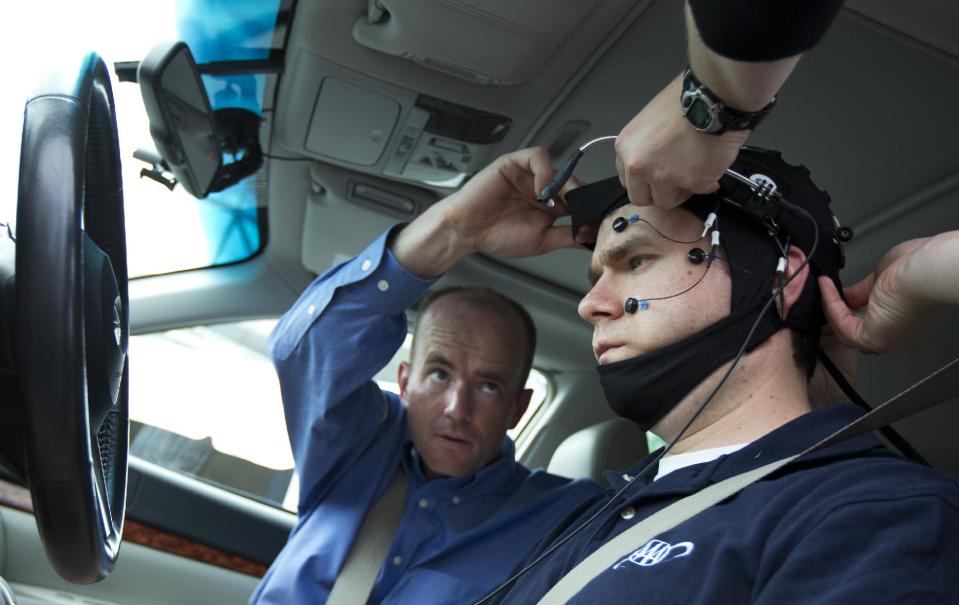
(617, 253)
(437, 359)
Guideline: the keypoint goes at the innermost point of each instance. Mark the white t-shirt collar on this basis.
(672, 462)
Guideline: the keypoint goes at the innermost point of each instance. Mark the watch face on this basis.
(699, 115)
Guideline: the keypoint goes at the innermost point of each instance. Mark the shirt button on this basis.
(366, 265)
(383, 285)
(627, 477)
(456, 500)
(311, 310)
(628, 513)
(397, 560)
(424, 503)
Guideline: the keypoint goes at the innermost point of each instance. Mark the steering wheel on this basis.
(72, 320)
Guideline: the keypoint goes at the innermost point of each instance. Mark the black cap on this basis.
(746, 221)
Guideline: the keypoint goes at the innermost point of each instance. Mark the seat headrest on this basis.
(612, 444)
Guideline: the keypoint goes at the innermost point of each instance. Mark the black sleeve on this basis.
(762, 30)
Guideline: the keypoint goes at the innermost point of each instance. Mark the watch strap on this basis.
(722, 117)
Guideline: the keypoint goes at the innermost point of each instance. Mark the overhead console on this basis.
(441, 142)
(376, 86)
(497, 42)
(374, 127)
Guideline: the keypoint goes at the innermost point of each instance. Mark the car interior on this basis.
(319, 124)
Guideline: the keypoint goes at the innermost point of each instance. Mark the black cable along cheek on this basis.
(632, 304)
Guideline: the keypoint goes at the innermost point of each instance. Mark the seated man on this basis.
(705, 318)
(469, 506)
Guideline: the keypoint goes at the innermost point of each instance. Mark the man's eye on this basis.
(490, 388)
(438, 375)
(638, 261)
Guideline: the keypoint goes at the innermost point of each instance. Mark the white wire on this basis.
(590, 142)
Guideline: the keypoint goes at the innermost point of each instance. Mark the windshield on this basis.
(240, 44)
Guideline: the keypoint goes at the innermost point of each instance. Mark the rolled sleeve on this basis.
(381, 285)
(344, 329)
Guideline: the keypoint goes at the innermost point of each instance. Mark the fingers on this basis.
(541, 167)
(559, 236)
(621, 169)
(562, 208)
(668, 196)
(631, 176)
(857, 295)
(527, 171)
(585, 235)
(572, 183)
(899, 250)
(844, 322)
(646, 185)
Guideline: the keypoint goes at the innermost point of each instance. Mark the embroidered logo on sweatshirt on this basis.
(655, 552)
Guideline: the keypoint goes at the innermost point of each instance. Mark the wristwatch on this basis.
(708, 114)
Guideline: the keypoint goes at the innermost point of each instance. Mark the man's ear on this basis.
(403, 379)
(521, 404)
(795, 287)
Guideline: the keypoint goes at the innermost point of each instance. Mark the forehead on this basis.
(484, 331)
(675, 223)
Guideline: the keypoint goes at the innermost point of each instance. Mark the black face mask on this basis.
(645, 388)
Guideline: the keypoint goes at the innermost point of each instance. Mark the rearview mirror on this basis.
(181, 121)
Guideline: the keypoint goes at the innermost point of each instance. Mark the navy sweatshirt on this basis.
(762, 30)
(852, 523)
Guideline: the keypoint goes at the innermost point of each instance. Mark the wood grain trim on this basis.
(18, 497)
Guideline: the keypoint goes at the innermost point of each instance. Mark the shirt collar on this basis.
(498, 476)
(674, 462)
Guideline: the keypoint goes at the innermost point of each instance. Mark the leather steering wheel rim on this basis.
(72, 320)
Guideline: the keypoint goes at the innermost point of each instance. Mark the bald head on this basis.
(502, 319)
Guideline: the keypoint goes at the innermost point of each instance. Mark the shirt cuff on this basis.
(373, 280)
(392, 286)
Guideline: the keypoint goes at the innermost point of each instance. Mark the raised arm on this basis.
(741, 52)
(495, 213)
(327, 348)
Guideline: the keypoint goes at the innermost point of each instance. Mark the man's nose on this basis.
(459, 405)
(601, 302)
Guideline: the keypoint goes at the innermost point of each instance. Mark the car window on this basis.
(205, 401)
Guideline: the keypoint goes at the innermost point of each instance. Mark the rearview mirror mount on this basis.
(190, 137)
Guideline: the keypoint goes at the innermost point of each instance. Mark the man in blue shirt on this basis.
(471, 510)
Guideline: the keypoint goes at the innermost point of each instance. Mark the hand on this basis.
(882, 313)
(495, 213)
(661, 159)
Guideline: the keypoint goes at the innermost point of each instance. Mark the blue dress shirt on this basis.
(459, 536)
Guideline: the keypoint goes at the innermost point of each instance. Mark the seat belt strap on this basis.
(932, 390)
(355, 582)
